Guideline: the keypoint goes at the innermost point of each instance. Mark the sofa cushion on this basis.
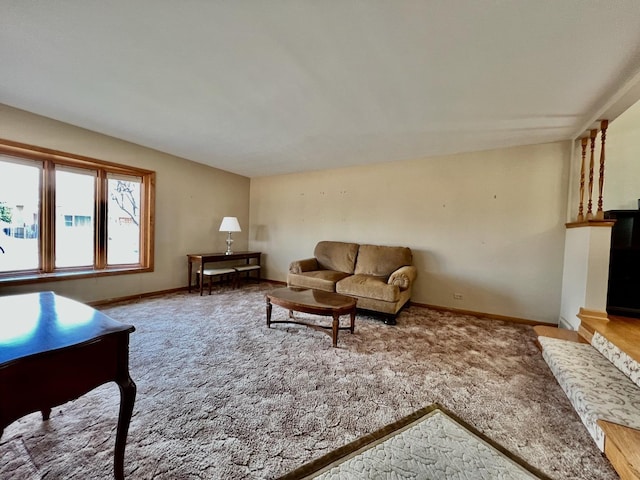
(381, 261)
(368, 286)
(338, 256)
(318, 279)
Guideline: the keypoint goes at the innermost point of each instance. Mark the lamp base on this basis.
(229, 242)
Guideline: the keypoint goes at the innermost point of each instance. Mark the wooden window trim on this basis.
(48, 273)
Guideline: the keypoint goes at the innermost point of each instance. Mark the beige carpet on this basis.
(220, 396)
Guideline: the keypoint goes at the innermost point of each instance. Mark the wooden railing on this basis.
(590, 141)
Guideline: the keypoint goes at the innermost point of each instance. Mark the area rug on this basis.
(223, 397)
(430, 443)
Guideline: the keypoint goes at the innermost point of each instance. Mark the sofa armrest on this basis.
(403, 277)
(306, 265)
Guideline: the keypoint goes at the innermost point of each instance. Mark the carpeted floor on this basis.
(220, 396)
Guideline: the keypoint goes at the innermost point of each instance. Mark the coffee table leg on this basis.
(336, 324)
(269, 306)
(353, 320)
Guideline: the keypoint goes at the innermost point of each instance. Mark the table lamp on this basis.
(229, 224)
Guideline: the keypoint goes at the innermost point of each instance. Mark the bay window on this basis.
(65, 215)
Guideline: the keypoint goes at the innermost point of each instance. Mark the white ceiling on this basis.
(261, 87)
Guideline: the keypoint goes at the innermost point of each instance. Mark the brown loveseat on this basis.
(379, 277)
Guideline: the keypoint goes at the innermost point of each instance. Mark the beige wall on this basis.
(191, 200)
(488, 225)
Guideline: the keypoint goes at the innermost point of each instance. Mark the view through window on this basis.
(124, 219)
(74, 215)
(75, 202)
(19, 215)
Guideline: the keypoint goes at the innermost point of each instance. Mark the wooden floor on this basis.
(561, 333)
(623, 332)
(622, 447)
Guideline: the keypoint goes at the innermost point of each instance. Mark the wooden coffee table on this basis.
(316, 302)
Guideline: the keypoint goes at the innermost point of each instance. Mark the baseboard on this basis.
(564, 323)
(592, 314)
(128, 298)
(139, 296)
(492, 316)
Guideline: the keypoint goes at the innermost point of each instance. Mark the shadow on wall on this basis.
(260, 233)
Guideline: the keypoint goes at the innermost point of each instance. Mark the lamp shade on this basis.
(230, 224)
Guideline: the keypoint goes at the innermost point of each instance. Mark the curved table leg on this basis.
(127, 398)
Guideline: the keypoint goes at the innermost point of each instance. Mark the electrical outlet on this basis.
(457, 296)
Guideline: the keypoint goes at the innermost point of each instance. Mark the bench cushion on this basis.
(595, 387)
(212, 272)
(246, 268)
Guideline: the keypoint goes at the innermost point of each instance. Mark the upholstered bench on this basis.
(248, 269)
(597, 389)
(218, 272)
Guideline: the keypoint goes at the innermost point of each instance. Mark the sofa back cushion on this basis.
(338, 256)
(382, 261)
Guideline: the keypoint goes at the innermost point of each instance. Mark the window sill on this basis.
(28, 278)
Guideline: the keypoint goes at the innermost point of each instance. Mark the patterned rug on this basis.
(430, 443)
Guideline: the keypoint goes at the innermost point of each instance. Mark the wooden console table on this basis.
(203, 258)
(53, 350)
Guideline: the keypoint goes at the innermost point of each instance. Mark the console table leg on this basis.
(269, 306)
(334, 332)
(202, 277)
(127, 398)
(46, 413)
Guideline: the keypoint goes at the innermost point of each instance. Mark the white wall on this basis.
(488, 225)
(585, 272)
(622, 175)
(191, 200)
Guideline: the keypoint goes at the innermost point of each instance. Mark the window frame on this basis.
(48, 159)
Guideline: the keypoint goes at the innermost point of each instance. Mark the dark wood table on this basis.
(316, 302)
(203, 258)
(53, 350)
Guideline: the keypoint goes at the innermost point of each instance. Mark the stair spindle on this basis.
(603, 127)
(585, 140)
(592, 135)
